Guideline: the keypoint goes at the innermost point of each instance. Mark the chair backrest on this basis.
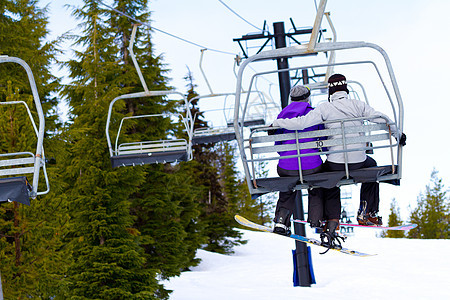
(262, 147)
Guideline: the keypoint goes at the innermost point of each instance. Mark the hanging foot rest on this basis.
(248, 123)
(213, 138)
(152, 152)
(148, 158)
(330, 179)
(213, 135)
(15, 189)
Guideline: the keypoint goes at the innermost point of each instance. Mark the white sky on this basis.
(414, 33)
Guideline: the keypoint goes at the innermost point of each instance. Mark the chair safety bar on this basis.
(370, 135)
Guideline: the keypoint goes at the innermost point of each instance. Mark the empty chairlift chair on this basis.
(14, 185)
(170, 149)
(167, 150)
(216, 130)
(220, 120)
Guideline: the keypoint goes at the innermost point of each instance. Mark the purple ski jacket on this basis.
(293, 110)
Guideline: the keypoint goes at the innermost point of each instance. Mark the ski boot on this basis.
(373, 218)
(330, 237)
(282, 222)
(368, 219)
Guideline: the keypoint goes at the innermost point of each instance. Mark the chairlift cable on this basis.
(242, 18)
(162, 31)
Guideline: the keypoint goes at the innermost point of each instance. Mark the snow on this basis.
(262, 269)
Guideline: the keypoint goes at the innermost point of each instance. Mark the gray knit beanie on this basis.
(300, 93)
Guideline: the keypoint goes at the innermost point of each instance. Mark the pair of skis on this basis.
(243, 221)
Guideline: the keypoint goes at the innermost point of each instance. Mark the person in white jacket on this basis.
(340, 106)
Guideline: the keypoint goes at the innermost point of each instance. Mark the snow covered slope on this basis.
(262, 269)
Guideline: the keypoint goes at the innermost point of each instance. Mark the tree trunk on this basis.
(17, 234)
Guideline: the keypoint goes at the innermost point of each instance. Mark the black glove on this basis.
(402, 141)
(271, 131)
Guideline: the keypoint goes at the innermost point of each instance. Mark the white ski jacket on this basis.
(340, 107)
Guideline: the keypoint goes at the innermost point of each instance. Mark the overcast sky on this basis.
(414, 33)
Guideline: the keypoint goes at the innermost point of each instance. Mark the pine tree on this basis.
(28, 239)
(432, 212)
(220, 189)
(222, 235)
(108, 262)
(394, 220)
(258, 209)
(164, 205)
(168, 209)
(167, 217)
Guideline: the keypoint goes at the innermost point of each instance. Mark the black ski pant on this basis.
(370, 191)
(323, 204)
(326, 205)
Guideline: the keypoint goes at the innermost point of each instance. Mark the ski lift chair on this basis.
(14, 185)
(260, 147)
(213, 133)
(258, 110)
(155, 151)
(224, 133)
(149, 152)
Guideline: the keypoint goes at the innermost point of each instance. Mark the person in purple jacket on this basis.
(323, 204)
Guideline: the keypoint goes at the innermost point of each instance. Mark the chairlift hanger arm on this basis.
(202, 51)
(24, 161)
(317, 23)
(133, 58)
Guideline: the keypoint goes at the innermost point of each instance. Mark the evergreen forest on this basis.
(103, 232)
